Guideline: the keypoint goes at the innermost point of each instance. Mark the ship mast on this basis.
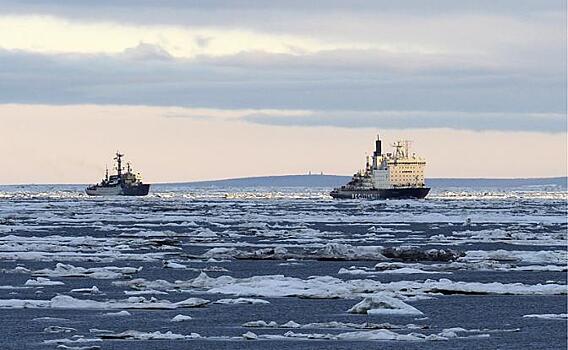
(401, 149)
(118, 159)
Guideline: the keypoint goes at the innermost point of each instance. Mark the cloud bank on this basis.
(492, 65)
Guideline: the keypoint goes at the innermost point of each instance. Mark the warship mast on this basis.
(124, 183)
(118, 159)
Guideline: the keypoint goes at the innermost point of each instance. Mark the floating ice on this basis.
(88, 347)
(250, 336)
(92, 290)
(42, 281)
(58, 329)
(535, 257)
(214, 269)
(383, 304)
(406, 253)
(73, 340)
(331, 324)
(373, 335)
(380, 334)
(221, 253)
(338, 251)
(45, 319)
(145, 292)
(387, 268)
(204, 233)
(68, 302)
(137, 335)
(172, 265)
(181, 318)
(119, 313)
(261, 324)
(69, 248)
(548, 316)
(242, 301)
(326, 287)
(107, 272)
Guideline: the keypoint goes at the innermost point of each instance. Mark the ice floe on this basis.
(76, 339)
(88, 347)
(386, 268)
(378, 304)
(172, 265)
(242, 301)
(535, 257)
(58, 329)
(250, 336)
(330, 325)
(419, 268)
(157, 335)
(548, 316)
(372, 335)
(181, 318)
(336, 251)
(42, 281)
(122, 313)
(92, 290)
(107, 272)
(326, 287)
(68, 302)
(408, 253)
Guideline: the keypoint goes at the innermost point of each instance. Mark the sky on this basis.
(197, 90)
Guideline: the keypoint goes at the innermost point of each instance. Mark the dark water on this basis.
(515, 238)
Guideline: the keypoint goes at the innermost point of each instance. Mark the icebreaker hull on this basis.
(390, 193)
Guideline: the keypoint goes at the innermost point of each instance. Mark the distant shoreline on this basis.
(338, 180)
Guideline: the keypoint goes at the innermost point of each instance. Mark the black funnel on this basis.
(378, 150)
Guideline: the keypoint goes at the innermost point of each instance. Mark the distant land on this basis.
(337, 180)
(329, 181)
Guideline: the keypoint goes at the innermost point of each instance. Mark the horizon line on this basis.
(290, 175)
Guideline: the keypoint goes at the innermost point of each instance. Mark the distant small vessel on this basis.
(390, 175)
(124, 183)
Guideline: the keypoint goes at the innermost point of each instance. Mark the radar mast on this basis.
(118, 159)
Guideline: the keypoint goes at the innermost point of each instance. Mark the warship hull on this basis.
(390, 193)
(139, 190)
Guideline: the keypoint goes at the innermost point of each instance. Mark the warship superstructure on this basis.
(124, 183)
(391, 175)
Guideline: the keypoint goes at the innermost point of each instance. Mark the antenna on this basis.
(118, 159)
(401, 148)
(406, 144)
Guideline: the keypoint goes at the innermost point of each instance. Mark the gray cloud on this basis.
(296, 84)
(485, 72)
(550, 122)
(256, 12)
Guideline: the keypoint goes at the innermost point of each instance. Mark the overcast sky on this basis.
(214, 89)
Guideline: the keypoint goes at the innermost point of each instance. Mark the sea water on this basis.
(282, 268)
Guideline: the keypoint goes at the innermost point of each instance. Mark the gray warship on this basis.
(387, 176)
(124, 183)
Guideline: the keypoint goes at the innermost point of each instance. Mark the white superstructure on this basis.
(388, 176)
(399, 169)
